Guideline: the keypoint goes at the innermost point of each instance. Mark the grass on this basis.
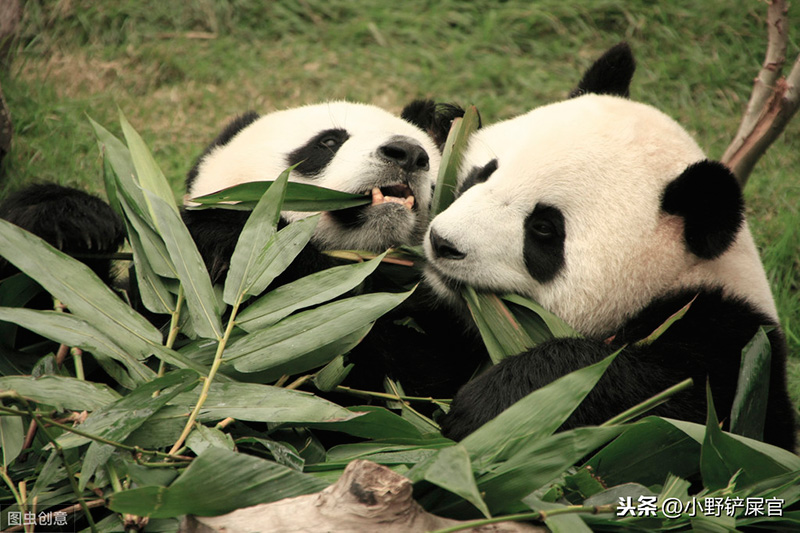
(179, 70)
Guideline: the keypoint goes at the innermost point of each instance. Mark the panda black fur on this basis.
(606, 212)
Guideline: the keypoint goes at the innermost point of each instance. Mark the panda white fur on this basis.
(350, 147)
(607, 212)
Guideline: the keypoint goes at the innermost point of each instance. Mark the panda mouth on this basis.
(394, 194)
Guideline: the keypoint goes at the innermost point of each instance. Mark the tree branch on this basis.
(773, 102)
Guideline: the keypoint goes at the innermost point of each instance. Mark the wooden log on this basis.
(367, 498)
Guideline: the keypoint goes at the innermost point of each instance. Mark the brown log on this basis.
(367, 497)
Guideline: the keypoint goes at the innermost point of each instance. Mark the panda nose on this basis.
(409, 156)
(444, 249)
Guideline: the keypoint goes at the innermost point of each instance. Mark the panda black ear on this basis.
(708, 198)
(611, 74)
(435, 118)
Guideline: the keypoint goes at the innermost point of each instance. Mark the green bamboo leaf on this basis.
(646, 453)
(299, 197)
(666, 325)
(304, 332)
(258, 231)
(148, 172)
(15, 291)
(279, 254)
(117, 158)
(117, 420)
(332, 374)
(52, 472)
(456, 144)
(373, 422)
(787, 460)
(270, 261)
(96, 457)
(305, 292)
(722, 457)
(200, 298)
(12, 437)
(262, 403)
(63, 393)
(72, 331)
(558, 328)
(535, 416)
(451, 470)
(240, 480)
(79, 288)
(203, 438)
(504, 484)
(308, 355)
(566, 523)
(501, 332)
(140, 229)
(749, 409)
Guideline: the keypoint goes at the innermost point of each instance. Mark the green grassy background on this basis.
(179, 70)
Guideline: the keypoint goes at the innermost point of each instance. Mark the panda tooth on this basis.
(409, 202)
(377, 196)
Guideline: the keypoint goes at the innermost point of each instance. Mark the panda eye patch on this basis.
(544, 242)
(312, 158)
(477, 175)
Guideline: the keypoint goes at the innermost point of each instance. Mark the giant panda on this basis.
(350, 147)
(347, 146)
(607, 212)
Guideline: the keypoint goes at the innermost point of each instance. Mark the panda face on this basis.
(349, 147)
(565, 205)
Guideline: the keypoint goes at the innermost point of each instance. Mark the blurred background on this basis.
(179, 70)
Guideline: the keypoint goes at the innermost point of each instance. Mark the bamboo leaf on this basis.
(200, 298)
(117, 420)
(497, 325)
(373, 422)
(299, 197)
(148, 172)
(117, 158)
(749, 409)
(787, 460)
(240, 480)
(12, 437)
(452, 471)
(63, 393)
(142, 230)
(262, 403)
(79, 288)
(646, 452)
(258, 231)
(457, 140)
(203, 438)
(667, 323)
(566, 523)
(535, 416)
(72, 331)
(305, 292)
(279, 253)
(558, 328)
(304, 332)
(722, 457)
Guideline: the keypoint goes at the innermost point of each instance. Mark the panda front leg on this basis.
(634, 376)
